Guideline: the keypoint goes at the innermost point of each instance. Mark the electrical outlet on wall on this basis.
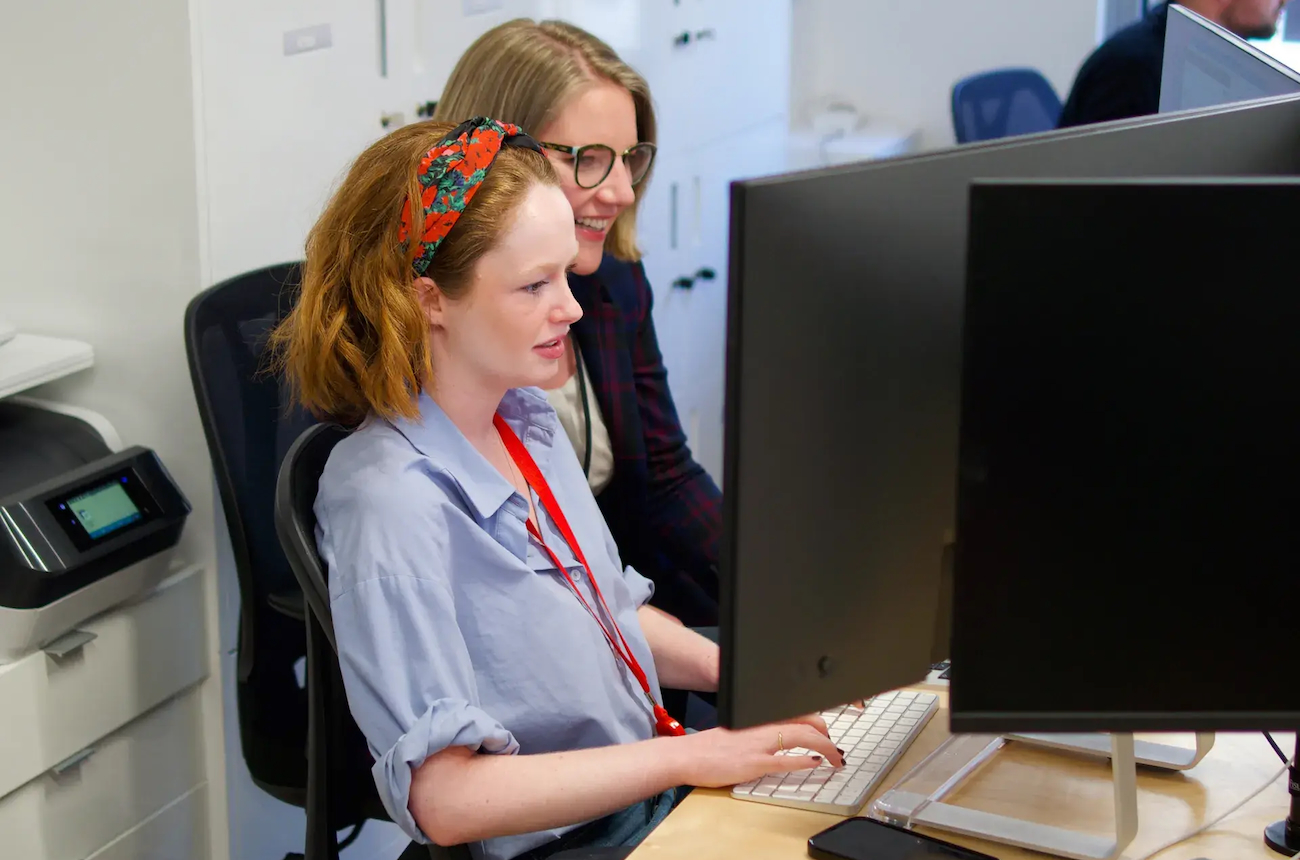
(478, 7)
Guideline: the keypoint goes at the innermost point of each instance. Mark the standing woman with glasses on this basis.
(592, 115)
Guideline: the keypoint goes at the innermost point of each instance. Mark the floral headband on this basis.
(450, 176)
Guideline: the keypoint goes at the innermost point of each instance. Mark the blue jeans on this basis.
(613, 836)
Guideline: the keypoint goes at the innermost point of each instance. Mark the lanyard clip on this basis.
(665, 725)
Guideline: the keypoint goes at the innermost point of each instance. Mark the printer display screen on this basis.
(104, 509)
(90, 514)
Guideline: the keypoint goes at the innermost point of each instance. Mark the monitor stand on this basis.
(1147, 753)
(1097, 744)
(912, 809)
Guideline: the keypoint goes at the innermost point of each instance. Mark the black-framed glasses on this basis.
(593, 162)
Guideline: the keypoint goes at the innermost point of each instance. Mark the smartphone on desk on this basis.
(868, 839)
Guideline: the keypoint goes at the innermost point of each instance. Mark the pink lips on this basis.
(553, 350)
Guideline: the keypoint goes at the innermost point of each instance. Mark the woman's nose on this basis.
(617, 188)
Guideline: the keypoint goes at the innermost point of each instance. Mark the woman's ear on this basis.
(431, 300)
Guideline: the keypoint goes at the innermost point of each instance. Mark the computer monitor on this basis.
(843, 359)
(1206, 65)
(1129, 474)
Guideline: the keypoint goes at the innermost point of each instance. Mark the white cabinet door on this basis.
(715, 66)
(667, 57)
(749, 64)
(661, 234)
(685, 232)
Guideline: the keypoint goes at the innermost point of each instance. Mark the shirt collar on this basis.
(528, 413)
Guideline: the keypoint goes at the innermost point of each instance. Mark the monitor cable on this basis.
(1215, 822)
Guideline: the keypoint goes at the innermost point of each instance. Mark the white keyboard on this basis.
(873, 739)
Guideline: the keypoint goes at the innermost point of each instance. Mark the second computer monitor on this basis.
(1129, 474)
(1206, 65)
(843, 362)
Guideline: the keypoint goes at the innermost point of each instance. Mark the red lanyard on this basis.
(664, 724)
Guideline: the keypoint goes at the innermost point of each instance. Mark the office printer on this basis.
(83, 527)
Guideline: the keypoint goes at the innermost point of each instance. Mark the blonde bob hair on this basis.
(525, 72)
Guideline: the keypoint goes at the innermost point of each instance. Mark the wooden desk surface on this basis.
(1049, 788)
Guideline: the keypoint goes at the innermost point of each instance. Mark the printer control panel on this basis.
(86, 523)
(108, 505)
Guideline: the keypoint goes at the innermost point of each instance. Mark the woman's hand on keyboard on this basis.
(721, 757)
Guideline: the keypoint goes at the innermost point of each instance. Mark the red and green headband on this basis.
(450, 176)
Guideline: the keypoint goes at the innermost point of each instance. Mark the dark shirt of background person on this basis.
(1122, 77)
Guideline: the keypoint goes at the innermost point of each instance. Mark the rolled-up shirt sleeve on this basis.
(642, 589)
(406, 668)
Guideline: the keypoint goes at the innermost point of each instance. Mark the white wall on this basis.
(98, 236)
(896, 60)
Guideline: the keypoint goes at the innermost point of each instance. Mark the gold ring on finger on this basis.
(780, 742)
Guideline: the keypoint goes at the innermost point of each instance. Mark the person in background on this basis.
(496, 654)
(1121, 79)
(593, 116)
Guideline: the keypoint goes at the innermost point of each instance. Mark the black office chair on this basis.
(333, 734)
(338, 760)
(249, 427)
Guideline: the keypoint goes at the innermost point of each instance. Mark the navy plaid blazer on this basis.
(663, 509)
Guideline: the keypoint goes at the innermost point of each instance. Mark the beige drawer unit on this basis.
(109, 787)
(57, 702)
(178, 832)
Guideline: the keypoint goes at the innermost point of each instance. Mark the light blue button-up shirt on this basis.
(453, 627)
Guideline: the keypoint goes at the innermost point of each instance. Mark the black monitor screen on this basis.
(1129, 460)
